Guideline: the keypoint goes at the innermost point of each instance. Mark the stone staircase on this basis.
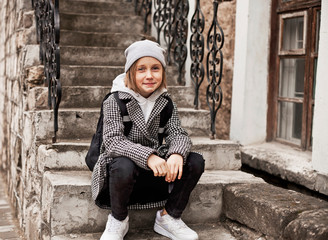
(94, 35)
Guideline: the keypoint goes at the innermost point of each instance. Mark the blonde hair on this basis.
(130, 78)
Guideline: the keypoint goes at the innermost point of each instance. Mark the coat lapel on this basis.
(158, 107)
(137, 116)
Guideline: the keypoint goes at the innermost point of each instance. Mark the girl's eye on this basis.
(140, 68)
(156, 68)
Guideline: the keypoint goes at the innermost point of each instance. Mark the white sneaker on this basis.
(173, 228)
(115, 229)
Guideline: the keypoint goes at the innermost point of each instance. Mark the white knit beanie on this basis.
(144, 48)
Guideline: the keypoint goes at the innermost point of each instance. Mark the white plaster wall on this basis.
(250, 80)
(320, 121)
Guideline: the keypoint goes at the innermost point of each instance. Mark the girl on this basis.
(132, 172)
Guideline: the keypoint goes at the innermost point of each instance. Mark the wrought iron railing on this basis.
(47, 29)
(143, 7)
(170, 19)
(214, 66)
(197, 50)
(171, 22)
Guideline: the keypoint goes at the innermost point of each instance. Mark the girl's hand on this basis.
(175, 166)
(158, 165)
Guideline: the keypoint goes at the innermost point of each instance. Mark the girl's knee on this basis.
(196, 163)
(122, 167)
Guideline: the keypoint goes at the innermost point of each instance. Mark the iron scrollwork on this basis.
(214, 65)
(47, 25)
(169, 28)
(181, 32)
(159, 17)
(197, 50)
(143, 7)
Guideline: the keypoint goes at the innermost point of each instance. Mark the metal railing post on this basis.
(48, 30)
(214, 65)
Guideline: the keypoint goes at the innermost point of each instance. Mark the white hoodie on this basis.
(146, 104)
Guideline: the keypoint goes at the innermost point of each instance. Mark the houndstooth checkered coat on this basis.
(141, 142)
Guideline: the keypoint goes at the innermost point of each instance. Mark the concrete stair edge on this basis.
(92, 96)
(218, 154)
(84, 121)
(100, 7)
(205, 231)
(68, 207)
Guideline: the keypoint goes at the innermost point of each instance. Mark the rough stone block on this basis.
(24, 4)
(68, 159)
(219, 154)
(266, 208)
(37, 98)
(32, 55)
(28, 19)
(309, 225)
(34, 76)
(321, 183)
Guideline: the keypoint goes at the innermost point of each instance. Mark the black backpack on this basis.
(94, 150)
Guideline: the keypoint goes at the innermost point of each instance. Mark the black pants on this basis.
(130, 184)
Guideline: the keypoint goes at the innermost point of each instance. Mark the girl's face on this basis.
(148, 75)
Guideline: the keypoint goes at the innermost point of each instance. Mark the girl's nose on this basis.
(148, 74)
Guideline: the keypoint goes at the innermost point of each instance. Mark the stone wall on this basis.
(226, 19)
(19, 63)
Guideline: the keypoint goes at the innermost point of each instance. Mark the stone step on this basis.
(67, 207)
(81, 123)
(92, 97)
(276, 212)
(101, 23)
(209, 231)
(97, 56)
(74, 38)
(84, 75)
(112, 8)
(79, 75)
(67, 155)
(100, 1)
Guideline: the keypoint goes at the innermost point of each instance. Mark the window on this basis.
(293, 60)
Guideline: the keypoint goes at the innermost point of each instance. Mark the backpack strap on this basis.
(165, 115)
(124, 113)
(101, 117)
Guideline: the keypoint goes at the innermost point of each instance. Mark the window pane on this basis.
(291, 80)
(292, 37)
(290, 121)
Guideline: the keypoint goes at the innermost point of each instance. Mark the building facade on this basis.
(273, 83)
